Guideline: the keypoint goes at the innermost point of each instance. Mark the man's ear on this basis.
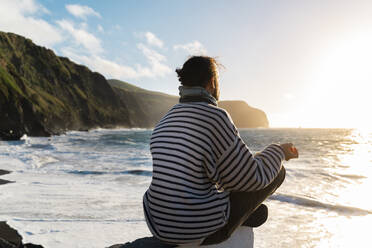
(210, 85)
(213, 84)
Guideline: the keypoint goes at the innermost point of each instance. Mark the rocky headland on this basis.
(42, 94)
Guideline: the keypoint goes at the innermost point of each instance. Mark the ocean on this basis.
(84, 189)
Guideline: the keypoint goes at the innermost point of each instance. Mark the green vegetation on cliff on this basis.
(145, 107)
(43, 94)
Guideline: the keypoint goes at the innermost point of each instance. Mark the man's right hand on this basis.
(289, 151)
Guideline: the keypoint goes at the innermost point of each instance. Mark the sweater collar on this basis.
(195, 94)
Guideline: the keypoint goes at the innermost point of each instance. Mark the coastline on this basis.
(9, 237)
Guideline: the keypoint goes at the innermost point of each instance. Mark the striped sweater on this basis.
(198, 158)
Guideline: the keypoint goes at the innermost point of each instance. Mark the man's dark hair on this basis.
(198, 71)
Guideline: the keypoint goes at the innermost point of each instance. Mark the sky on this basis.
(305, 63)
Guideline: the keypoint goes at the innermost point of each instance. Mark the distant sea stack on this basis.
(42, 94)
(243, 115)
(150, 106)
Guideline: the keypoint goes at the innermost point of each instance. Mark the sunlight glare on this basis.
(341, 93)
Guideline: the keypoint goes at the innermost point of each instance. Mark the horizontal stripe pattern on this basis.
(198, 158)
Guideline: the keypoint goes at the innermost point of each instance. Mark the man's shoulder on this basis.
(203, 107)
(208, 115)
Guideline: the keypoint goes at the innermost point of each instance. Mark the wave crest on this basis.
(303, 201)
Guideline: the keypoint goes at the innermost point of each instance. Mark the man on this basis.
(205, 181)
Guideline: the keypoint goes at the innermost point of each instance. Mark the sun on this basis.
(342, 84)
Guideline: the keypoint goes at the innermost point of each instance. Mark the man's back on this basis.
(182, 200)
(201, 165)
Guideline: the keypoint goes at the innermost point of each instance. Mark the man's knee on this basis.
(283, 170)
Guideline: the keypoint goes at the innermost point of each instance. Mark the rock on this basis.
(6, 244)
(242, 237)
(11, 135)
(146, 242)
(4, 172)
(9, 237)
(2, 181)
(28, 245)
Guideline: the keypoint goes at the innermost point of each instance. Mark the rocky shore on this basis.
(10, 238)
(4, 172)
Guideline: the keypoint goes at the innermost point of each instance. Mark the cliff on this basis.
(153, 105)
(243, 115)
(42, 94)
(145, 107)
